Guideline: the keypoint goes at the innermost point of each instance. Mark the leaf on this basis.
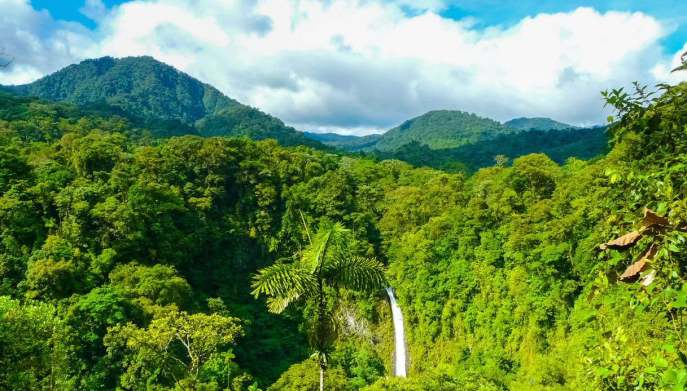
(358, 273)
(681, 301)
(632, 271)
(651, 219)
(622, 242)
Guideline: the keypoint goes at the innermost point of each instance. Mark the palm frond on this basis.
(357, 273)
(282, 282)
(328, 241)
(278, 304)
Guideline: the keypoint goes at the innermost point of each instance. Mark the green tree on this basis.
(324, 266)
(32, 354)
(174, 349)
(302, 377)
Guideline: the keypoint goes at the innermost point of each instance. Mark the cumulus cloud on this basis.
(94, 9)
(36, 42)
(357, 66)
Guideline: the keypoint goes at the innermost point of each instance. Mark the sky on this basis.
(364, 66)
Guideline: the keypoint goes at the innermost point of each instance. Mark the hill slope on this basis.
(441, 129)
(537, 123)
(437, 129)
(459, 141)
(151, 90)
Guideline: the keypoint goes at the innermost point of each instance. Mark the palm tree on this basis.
(321, 269)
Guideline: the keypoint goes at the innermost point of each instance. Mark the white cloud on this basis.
(94, 9)
(663, 71)
(36, 43)
(355, 66)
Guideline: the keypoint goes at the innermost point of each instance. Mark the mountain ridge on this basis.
(146, 88)
(440, 129)
(170, 102)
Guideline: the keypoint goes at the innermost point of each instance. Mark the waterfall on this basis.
(399, 336)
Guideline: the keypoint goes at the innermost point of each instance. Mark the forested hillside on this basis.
(128, 260)
(559, 145)
(461, 142)
(154, 92)
(441, 129)
(166, 102)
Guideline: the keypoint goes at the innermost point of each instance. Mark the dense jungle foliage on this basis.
(126, 260)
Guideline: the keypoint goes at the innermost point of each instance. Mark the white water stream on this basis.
(399, 336)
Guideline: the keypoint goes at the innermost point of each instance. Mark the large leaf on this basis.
(328, 242)
(632, 272)
(283, 284)
(623, 242)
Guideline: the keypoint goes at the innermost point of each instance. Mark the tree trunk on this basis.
(321, 379)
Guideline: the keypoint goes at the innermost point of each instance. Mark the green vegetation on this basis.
(126, 260)
(559, 145)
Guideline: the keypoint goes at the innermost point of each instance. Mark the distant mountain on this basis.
(441, 129)
(345, 142)
(459, 141)
(153, 91)
(537, 123)
(558, 144)
(438, 129)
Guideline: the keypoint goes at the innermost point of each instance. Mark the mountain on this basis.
(559, 145)
(459, 141)
(345, 142)
(437, 129)
(536, 123)
(148, 89)
(441, 129)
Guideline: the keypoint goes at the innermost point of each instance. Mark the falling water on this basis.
(399, 336)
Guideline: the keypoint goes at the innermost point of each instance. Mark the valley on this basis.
(157, 234)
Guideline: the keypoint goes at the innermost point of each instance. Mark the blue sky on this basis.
(486, 12)
(505, 12)
(70, 9)
(364, 66)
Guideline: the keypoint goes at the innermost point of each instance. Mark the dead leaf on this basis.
(623, 242)
(651, 219)
(632, 271)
